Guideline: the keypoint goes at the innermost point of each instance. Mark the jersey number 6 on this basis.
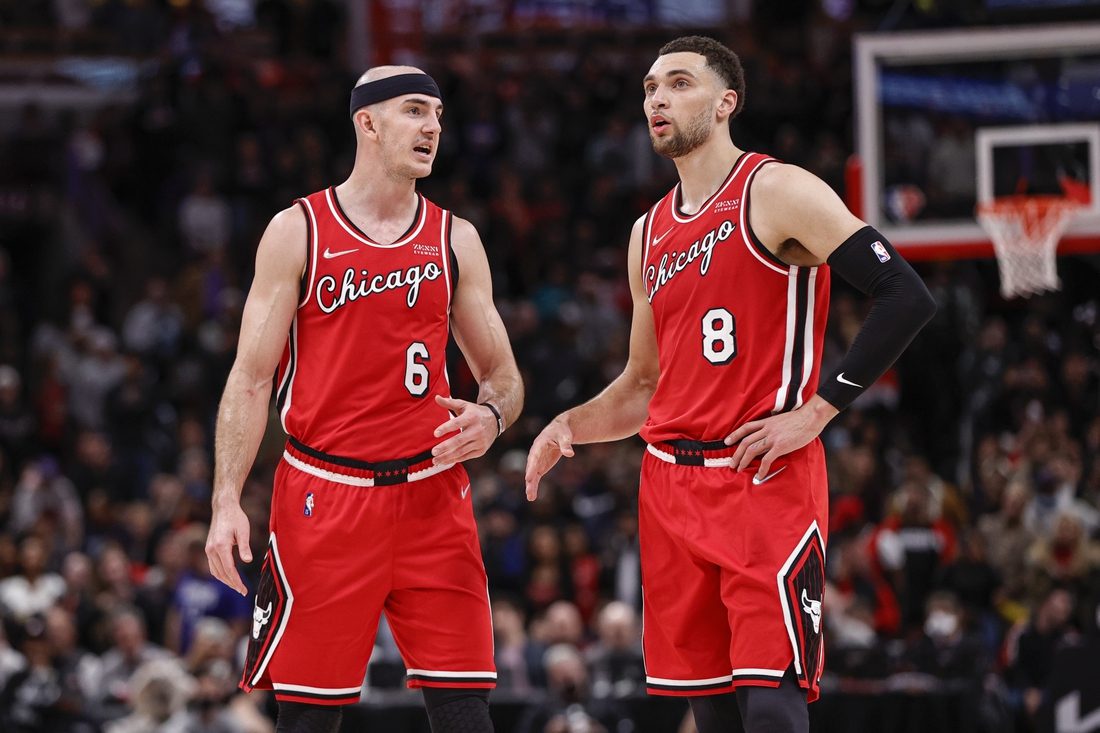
(719, 336)
(416, 373)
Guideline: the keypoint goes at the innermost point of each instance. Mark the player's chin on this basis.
(420, 168)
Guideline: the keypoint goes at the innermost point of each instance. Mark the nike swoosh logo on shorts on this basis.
(840, 378)
(329, 255)
(465, 491)
(756, 480)
(657, 240)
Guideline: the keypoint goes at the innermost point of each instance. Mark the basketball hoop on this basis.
(1025, 231)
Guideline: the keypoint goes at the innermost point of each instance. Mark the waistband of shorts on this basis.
(354, 472)
(708, 453)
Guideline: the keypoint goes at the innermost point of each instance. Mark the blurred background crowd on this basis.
(965, 484)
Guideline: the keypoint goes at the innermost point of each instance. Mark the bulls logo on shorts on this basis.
(801, 589)
(271, 609)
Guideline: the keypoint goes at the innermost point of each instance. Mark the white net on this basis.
(1025, 231)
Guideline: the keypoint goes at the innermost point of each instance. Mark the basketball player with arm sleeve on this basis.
(357, 289)
(730, 280)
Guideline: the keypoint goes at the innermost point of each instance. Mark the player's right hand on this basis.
(555, 441)
(228, 527)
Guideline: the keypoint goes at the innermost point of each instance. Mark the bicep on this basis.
(273, 298)
(643, 361)
(795, 204)
(477, 326)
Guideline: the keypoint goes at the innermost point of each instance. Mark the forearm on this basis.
(503, 389)
(902, 306)
(615, 413)
(242, 419)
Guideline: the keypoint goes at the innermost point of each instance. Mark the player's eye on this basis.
(681, 83)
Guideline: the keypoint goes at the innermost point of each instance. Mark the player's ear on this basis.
(366, 122)
(727, 103)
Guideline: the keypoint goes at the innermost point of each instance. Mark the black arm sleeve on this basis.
(902, 306)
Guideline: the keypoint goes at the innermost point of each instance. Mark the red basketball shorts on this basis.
(341, 551)
(733, 572)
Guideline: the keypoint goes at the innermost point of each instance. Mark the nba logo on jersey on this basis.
(880, 251)
(309, 504)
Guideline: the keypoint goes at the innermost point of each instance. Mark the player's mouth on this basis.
(658, 124)
(423, 150)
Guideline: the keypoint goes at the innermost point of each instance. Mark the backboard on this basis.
(946, 118)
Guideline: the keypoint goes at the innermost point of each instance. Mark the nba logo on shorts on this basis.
(880, 252)
(309, 504)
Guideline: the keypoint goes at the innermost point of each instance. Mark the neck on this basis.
(704, 169)
(374, 193)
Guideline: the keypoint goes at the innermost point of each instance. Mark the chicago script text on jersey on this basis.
(351, 290)
(656, 276)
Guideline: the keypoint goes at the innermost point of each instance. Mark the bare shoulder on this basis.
(285, 241)
(793, 210)
(783, 182)
(464, 236)
(637, 231)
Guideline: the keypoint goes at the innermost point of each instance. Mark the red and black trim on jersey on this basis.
(303, 290)
(354, 472)
(801, 591)
(271, 612)
(429, 678)
(316, 695)
(283, 398)
(450, 257)
(345, 220)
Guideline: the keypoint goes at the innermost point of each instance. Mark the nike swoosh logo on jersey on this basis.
(329, 255)
(465, 491)
(657, 240)
(756, 480)
(840, 378)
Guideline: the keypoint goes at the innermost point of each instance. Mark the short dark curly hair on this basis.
(720, 59)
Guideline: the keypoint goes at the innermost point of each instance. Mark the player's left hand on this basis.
(479, 429)
(778, 435)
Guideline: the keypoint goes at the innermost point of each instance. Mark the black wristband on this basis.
(496, 413)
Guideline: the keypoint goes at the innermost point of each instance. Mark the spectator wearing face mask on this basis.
(952, 663)
(945, 650)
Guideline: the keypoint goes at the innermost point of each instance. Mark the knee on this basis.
(458, 710)
(300, 717)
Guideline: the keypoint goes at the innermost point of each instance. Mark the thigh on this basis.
(773, 586)
(685, 633)
(324, 580)
(438, 607)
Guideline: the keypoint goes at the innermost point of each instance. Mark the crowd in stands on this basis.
(965, 485)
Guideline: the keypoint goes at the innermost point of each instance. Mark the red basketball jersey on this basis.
(739, 333)
(366, 353)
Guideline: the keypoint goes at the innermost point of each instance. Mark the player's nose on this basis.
(659, 98)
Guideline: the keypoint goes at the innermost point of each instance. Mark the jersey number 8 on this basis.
(416, 373)
(719, 336)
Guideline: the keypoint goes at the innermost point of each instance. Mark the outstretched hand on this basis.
(228, 527)
(778, 435)
(478, 426)
(555, 441)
